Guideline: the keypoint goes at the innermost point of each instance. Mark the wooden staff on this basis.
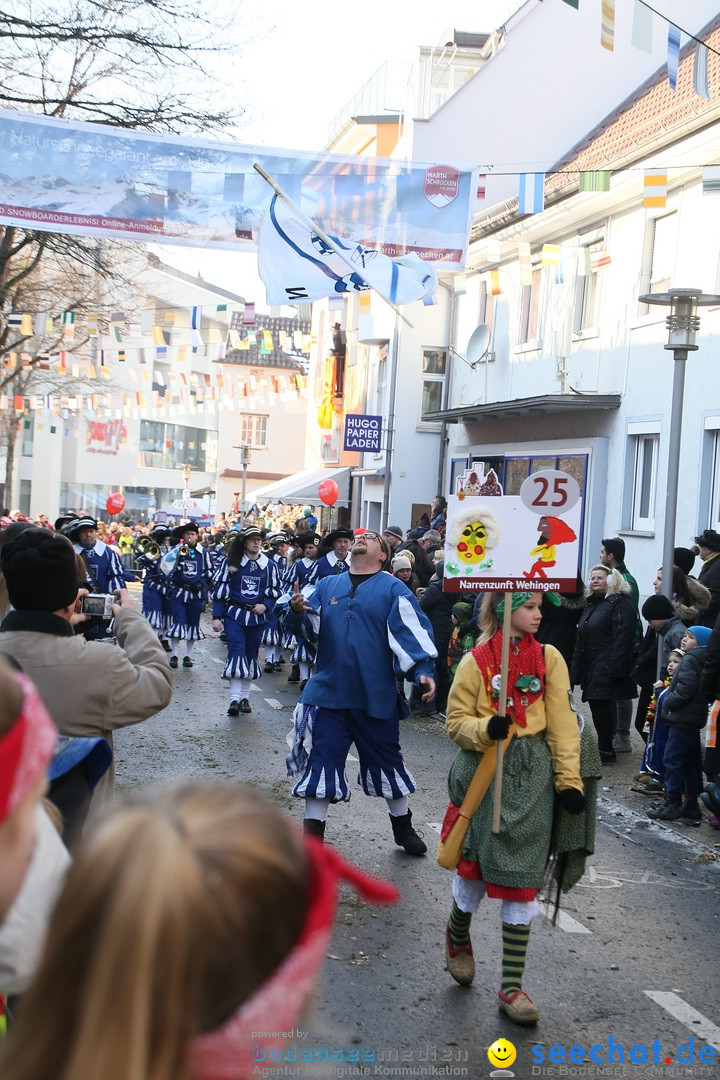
(502, 708)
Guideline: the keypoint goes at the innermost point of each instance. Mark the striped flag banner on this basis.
(711, 179)
(655, 188)
(196, 318)
(607, 25)
(596, 180)
(598, 259)
(482, 177)
(248, 318)
(642, 28)
(550, 255)
(26, 326)
(531, 196)
(559, 273)
(525, 263)
(495, 288)
(673, 55)
(91, 324)
(14, 319)
(700, 71)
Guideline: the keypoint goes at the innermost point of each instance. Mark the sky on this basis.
(302, 63)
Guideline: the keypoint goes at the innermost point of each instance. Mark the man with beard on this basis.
(369, 629)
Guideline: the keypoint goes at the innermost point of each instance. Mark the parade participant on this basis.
(542, 758)
(333, 555)
(155, 601)
(103, 568)
(272, 638)
(190, 932)
(303, 654)
(188, 584)
(369, 629)
(89, 688)
(245, 588)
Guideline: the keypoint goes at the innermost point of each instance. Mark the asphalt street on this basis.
(630, 968)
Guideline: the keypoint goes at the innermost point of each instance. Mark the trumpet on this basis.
(147, 547)
(184, 549)
(266, 548)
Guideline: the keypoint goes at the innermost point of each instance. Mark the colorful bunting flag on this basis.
(495, 287)
(68, 324)
(550, 255)
(655, 188)
(584, 262)
(700, 71)
(482, 177)
(607, 25)
(595, 180)
(599, 259)
(531, 196)
(525, 263)
(573, 4)
(248, 318)
(91, 324)
(642, 29)
(673, 54)
(26, 326)
(711, 179)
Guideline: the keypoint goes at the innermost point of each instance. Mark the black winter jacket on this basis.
(711, 672)
(604, 653)
(685, 704)
(709, 576)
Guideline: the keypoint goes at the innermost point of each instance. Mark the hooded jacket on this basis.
(604, 651)
(685, 704)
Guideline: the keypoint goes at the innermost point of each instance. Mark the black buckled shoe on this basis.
(269, 667)
(173, 661)
(245, 705)
(234, 709)
(405, 836)
(187, 662)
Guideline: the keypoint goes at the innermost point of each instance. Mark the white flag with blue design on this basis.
(297, 267)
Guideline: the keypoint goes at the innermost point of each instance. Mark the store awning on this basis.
(302, 487)
(544, 405)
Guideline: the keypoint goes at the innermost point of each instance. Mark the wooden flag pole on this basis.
(328, 240)
(502, 708)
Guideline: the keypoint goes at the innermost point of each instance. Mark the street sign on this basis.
(363, 433)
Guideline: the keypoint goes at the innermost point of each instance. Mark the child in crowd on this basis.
(464, 635)
(684, 712)
(652, 769)
(187, 939)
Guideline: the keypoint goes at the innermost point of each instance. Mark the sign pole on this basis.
(502, 708)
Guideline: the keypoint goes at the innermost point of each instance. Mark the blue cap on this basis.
(700, 633)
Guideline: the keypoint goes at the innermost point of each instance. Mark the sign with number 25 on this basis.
(524, 542)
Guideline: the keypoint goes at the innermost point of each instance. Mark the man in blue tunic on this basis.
(333, 555)
(246, 586)
(103, 569)
(369, 628)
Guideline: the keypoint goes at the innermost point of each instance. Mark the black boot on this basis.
(294, 675)
(405, 835)
(315, 828)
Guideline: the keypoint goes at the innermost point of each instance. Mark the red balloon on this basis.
(328, 492)
(114, 503)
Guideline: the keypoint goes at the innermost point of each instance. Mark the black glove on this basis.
(499, 727)
(572, 800)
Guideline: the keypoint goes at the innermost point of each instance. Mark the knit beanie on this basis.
(394, 530)
(401, 562)
(657, 607)
(462, 612)
(700, 633)
(40, 571)
(684, 558)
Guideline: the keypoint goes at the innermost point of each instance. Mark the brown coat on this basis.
(90, 688)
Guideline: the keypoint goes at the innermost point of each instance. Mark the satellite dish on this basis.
(477, 346)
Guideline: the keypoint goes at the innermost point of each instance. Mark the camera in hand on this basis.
(98, 604)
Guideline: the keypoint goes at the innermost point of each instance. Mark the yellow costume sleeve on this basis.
(468, 709)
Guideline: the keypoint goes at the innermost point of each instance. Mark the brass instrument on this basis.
(147, 547)
(266, 548)
(227, 542)
(184, 549)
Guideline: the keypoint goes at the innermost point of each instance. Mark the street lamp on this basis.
(244, 461)
(682, 323)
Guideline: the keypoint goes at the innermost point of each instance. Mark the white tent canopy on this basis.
(302, 487)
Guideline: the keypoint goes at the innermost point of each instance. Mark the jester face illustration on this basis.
(472, 543)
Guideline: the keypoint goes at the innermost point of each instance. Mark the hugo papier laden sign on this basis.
(362, 432)
(513, 543)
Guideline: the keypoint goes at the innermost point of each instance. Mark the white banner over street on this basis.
(87, 179)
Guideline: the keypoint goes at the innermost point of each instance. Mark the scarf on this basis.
(526, 673)
(26, 749)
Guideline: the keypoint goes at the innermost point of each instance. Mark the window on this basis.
(170, 446)
(586, 289)
(642, 515)
(28, 434)
(714, 514)
(24, 497)
(659, 256)
(529, 309)
(254, 430)
(434, 363)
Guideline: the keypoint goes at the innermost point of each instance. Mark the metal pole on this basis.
(673, 470)
(245, 459)
(390, 424)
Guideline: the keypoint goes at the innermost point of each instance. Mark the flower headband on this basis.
(26, 749)
(232, 1051)
(518, 599)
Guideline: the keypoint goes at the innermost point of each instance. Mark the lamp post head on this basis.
(683, 322)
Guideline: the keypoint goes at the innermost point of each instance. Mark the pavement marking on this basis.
(273, 703)
(691, 1018)
(216, 660)
(564, 921)
(436, 826)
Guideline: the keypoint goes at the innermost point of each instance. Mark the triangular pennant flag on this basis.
(673, 54)
(655, 188)
(700, 71)
(607, 25)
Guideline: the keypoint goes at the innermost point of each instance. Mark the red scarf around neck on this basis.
(526, 658)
